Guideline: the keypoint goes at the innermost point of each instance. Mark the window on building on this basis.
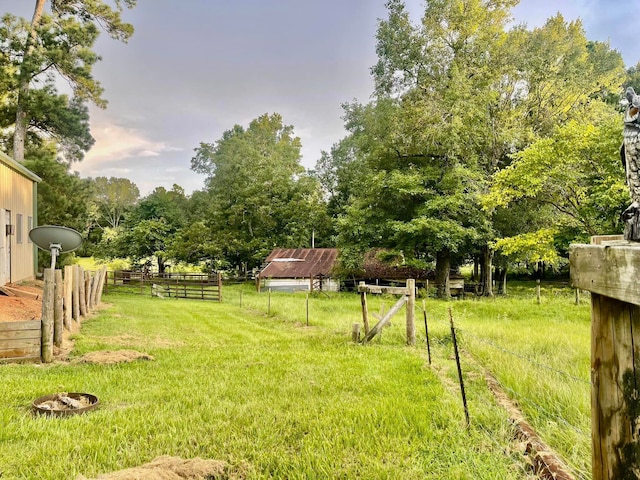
(19, 228)
(29, 228)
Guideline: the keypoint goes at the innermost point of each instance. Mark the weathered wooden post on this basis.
(68, 290)
(47, 316)
(355, 333)
(87, 290)
(610, 271)
(94, 288)
(101, 283)
(410, 315)
(76, 293)
(365, 310)
(58, 324)
(81, 292)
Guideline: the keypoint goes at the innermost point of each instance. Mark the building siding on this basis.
(17, 186)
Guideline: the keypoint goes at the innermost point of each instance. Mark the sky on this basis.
(195, 68)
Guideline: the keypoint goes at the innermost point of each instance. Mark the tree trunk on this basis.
(161, 265)
(443, 266)
(475, 268)
(501, 280)
(20, 132)
(486, 268)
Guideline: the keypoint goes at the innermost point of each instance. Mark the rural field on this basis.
(274, 395)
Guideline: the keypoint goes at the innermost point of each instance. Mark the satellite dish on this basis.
(55, 239)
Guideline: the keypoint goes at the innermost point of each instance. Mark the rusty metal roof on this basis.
(300, 262)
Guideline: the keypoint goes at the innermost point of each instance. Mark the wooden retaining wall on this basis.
(20, 341)
(66, 301)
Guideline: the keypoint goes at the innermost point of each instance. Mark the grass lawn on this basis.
(279, 399)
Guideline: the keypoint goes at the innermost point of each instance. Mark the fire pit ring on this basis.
(65, 404)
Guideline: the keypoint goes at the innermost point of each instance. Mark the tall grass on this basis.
(281, 399)
(540, 353)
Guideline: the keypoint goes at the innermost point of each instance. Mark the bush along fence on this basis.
(200, 286)
(66, 300)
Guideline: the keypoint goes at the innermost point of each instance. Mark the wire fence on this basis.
(538, 407)
(472, 343)
(476, 348)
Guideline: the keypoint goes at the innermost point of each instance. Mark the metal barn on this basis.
(18, 214)
(294, 269)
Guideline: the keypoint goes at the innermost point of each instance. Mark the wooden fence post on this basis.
(47, 316)
(102, 283)
(365, 310)
(355, 333)
(81, 293)
(68, 295)
(610, 272)
(220, 287)
(87, 290)
(410, 315)
(76, 293)
(58, 324)
(94, 287)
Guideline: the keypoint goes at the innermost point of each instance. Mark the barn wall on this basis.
(298, 284)
(16, 197)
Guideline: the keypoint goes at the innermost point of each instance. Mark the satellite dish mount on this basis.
(56, 240)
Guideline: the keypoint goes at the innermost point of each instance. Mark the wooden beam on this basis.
(615, 376)
(611, 270)
(378, 327)
(16, 292)
(383, 289)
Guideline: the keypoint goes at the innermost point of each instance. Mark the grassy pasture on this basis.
(279, 399)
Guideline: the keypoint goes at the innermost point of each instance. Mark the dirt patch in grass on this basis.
(108, 357)
(139, 340)
(175, 468)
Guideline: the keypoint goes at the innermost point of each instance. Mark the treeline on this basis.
(482, 142)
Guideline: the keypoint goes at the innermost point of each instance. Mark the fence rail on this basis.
(187, 289)
(197, 286)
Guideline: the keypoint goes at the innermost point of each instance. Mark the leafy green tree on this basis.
(576, 172)
(339, 172)
(63, 197)
(112, 198)
(422, 204)
(57, 43)
(260, 195)
(148, 229)
(424, 137)
(470, 91)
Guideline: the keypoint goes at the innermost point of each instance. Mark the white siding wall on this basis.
(16, 196)
(296, 284)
